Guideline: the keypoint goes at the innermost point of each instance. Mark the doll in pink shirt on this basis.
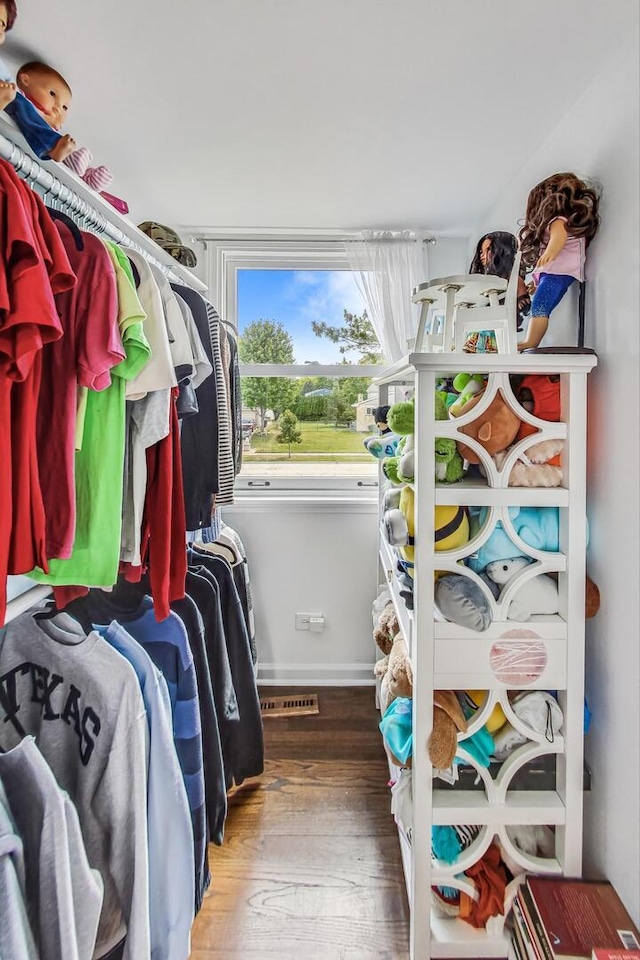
(561, 220)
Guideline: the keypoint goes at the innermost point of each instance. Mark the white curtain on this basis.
(387, 266)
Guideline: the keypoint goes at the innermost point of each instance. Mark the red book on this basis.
(579, 915)
(613, 954)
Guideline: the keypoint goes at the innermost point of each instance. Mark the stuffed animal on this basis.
(466, 385)
(539, 527)
(535, 839)
(387, 628)
(401, 420)
(395, 673)
(539, 394)
(383, 446)
(539, 595)
(538, 466)
(538, 710)
(495, 428)
(460, 600)
(448, 720)
(451, 526)
(401, 467)
(475, 700)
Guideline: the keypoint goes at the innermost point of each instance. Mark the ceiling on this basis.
(313, 114)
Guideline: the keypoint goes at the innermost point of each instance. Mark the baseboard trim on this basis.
(316, 674)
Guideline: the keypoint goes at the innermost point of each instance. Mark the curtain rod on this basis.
(256, 238)
(83, 211)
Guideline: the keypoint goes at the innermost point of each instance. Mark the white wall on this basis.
(599, 138)
(310, 556)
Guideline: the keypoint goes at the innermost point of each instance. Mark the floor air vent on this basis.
(289, 706)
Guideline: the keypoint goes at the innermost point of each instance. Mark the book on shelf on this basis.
(558, 918)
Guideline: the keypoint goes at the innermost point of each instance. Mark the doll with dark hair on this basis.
(560, 222)
(8, 15)
(495, 253)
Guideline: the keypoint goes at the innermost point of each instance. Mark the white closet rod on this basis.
(86, 211)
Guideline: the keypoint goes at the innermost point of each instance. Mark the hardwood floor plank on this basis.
(310, 868)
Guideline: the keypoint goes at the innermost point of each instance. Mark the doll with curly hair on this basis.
(560, 222)
(495, 254)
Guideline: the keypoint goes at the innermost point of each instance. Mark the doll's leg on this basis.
(548, 294)
(79, 160)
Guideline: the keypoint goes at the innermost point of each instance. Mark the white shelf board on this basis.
(403, 370)
(455, 938)
(474, 492)
(405, 853)
(404, 615)
(72, 182)
(543, 807)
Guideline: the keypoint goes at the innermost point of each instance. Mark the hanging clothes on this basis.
(33, 270)
(82, 702)
(63, 915)
(168, 647)
(200, 433)
(169, 831)
(99, 463)
(246, 737)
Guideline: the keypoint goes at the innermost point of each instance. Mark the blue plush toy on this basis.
(539, 527)
(384, 446)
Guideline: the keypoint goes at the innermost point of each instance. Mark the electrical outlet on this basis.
(303, 620)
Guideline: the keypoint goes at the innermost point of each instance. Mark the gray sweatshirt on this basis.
(82, 701)
(16, 938)
(63, 894)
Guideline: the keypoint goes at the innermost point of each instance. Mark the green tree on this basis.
(289, 429)
(345, 393)
(357, 333)
(266, 341)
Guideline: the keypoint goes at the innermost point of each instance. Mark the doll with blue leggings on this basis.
(560, 222)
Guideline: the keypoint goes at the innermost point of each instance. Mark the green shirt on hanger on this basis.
(100, 459)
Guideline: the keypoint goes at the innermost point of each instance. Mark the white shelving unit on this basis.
(446, 656)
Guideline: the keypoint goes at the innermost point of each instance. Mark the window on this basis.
(307, 394)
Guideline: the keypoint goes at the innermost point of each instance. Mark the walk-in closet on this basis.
(319, 512)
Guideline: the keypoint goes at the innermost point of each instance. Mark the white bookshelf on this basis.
(447, 656)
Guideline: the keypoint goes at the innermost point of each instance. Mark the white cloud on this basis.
(330, 293)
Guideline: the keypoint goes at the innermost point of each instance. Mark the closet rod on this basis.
(85, 211)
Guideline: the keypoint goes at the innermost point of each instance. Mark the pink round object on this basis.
(518, 658)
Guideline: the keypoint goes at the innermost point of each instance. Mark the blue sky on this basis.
(295, 298)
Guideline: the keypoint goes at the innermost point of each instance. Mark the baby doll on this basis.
(48, 94)
(38, 103)
(560, 222)
(495, 253)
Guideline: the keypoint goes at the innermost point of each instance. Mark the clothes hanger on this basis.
(74, 610)
(134, 270)
(219, 550)
(68, 222)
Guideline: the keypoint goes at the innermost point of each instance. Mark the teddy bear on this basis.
(395, 673)
(539, 595)
(386, 629)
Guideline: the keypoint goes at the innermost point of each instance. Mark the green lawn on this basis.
(322, 439)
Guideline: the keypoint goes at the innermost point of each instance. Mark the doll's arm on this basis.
(557, 239)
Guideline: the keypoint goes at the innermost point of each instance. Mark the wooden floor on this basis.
(310, 867)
